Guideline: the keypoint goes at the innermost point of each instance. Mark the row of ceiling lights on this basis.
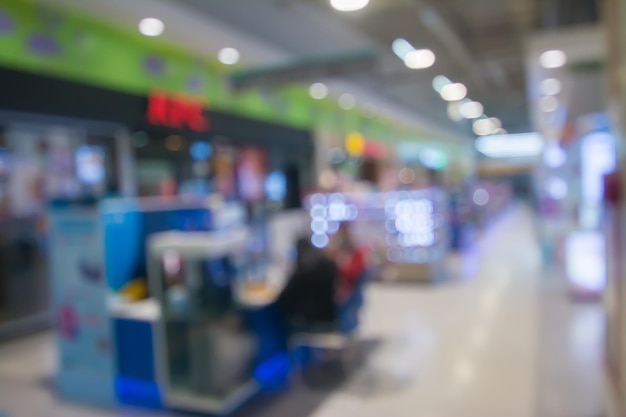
(413, 58)
(532, 144)
(459, 107)
(455, 93)
(346, 101)
(320, 91)
(151, 26)
(551, 87)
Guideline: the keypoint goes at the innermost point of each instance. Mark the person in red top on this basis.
(350, 260)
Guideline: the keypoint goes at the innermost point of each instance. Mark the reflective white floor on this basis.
(500, 339)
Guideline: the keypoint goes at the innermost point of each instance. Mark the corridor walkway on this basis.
(498, 339)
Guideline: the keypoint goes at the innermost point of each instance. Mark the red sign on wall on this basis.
(176, 111)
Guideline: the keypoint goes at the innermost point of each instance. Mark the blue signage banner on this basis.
(84, 338)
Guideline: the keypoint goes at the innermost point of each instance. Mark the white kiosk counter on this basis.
(204, 349)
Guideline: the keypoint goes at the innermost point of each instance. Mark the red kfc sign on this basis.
(176, 111)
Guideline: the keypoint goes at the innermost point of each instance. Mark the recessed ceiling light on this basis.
(419, 59)
(471, 110)
(347, 101)
(453, 92)
(228, 56)
(554, 58)
(349, 5)
(550, 87)
(548, 104)
(318, 91)
(151, 26)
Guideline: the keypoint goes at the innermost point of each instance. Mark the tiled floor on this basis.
(500, 339)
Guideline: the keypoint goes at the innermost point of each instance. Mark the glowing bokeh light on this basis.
(349, 5)
(439, 82)
(454, 92)
(550, 87)
(480, 197)
(228, 56)
(318, 91)
(151, 26)
(554, 58)
(557, 188)
(420, 59)
(471, 110)
(347, 101)
(548, 104)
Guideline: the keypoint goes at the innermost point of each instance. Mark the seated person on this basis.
(350, 260)
(308, 300)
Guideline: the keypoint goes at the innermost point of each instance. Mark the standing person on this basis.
(308, 300)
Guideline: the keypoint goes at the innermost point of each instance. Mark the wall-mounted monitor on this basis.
(90, 166)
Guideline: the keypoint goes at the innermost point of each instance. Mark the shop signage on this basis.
(84, 337)
(176, 111)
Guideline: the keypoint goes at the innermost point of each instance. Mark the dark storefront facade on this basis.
(62, 139)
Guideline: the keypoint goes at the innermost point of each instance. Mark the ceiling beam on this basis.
(306, 71)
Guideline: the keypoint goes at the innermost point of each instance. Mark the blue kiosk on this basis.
(206, 340)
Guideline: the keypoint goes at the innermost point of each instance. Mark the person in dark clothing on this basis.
(308, 300)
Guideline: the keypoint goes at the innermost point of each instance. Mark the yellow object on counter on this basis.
(135, 290)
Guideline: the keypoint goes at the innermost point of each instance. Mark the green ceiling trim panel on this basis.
(45, 40)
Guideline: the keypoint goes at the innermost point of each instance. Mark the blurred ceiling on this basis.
(480, 43)
(480, 46)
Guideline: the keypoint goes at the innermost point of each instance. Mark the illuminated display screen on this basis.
(598, 157)
(90, 164)
(586, 260)
(276, 186)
